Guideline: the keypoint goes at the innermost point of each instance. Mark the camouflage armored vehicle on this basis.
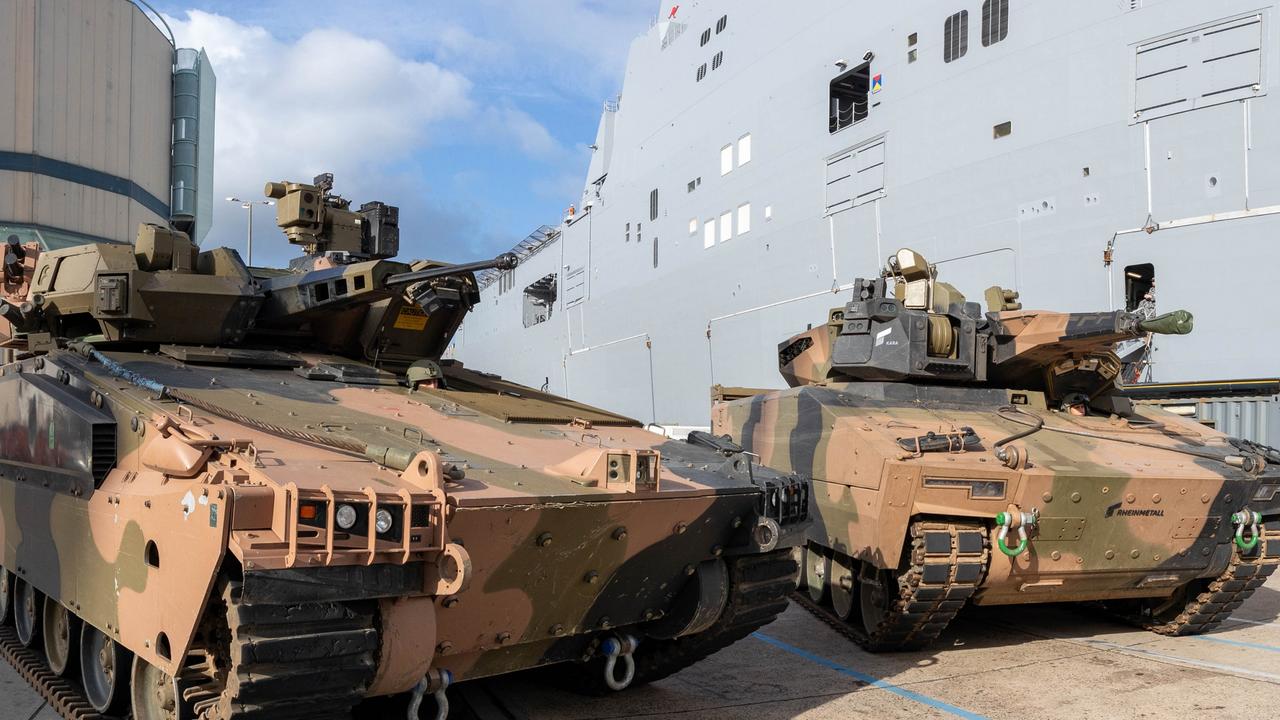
(247, 493)
(961, 456)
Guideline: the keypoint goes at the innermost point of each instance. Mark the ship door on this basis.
(577, 262)
(1193, 91)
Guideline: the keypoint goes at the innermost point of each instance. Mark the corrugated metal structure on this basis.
(1255, 418)
(1251, 418)
(85, 114)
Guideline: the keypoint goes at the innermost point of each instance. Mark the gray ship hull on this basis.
(762, 157)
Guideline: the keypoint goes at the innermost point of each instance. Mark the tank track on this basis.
(282, 662)
(1223, 595)
(277, 662)
(758, 589)
(949, 560)
(63, 696)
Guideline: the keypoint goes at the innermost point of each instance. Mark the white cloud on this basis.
(533, 138)
(331, 101)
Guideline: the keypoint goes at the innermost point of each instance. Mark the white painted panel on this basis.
(869, 183)
(840, 171)
(1207, 66)
(576, 239)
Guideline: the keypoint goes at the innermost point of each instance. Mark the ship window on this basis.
(628, 236)
(849, 97)
(655, 252)
(653, 204)
(995, 21)
(1004, 129)
(1139, 281)
(744, 149)
(911, 56)
(706, 37)
(722, 23)
(726, 227)
(709, 233)
(693, 226)
(702, 72)
(726, 160)
(912, 39)
(539, 299)
(956, 36)
(717, 61)
(744, 218)
(692, 186)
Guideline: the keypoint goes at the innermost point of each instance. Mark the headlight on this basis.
(345, 517)
(382, 521)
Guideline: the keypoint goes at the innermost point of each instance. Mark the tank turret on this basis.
(346, 295)
(907, 325)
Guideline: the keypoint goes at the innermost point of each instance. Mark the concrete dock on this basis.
(1004, 662)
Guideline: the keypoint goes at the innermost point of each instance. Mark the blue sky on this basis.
(473, 117)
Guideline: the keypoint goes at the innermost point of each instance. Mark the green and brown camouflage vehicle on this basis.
(235, 493)
(961, 456)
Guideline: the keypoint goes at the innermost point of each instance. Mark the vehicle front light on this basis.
(382, 521)
(345, 517)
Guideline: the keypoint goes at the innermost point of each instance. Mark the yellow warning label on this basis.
(411, 318)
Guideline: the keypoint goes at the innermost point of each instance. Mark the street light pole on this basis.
(248, 205)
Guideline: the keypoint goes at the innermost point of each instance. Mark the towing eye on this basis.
(1015, 519)
(613, 648)
(1251, 519)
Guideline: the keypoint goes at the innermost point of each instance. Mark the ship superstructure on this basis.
(1104, 154)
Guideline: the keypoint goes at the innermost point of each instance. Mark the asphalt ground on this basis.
(1003, 662)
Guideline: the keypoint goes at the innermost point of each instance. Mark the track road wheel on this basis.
(26, 613)
(817, 568)
(6, 597)
(61, 632)
(155, 694)
(876, 599)
(104, 671)
(843, 581)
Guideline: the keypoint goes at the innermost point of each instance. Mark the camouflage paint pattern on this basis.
(142, 475)
(1132, 502)
(1115, 520)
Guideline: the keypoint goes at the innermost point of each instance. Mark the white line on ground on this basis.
(1178, 659)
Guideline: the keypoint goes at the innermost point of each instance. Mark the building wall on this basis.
(84, 118)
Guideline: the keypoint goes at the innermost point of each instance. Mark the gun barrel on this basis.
(1178, 322)
(505, 261)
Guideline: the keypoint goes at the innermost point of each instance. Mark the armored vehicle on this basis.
(961, 456)
(232, 492)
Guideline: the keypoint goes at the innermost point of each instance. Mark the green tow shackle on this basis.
(1022, 520)
(1252, 520)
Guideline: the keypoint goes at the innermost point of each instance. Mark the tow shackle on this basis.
(1252, 520)
(614, 648)
(434, 682)
(1015, 519)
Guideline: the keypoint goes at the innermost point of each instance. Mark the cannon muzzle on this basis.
(1178, 322)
